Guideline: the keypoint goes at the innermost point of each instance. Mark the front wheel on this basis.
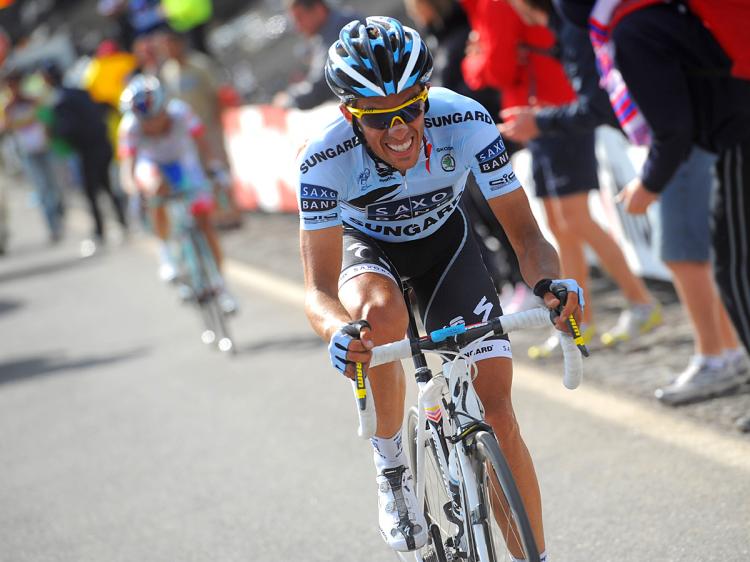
(507, 530)
(437, 502)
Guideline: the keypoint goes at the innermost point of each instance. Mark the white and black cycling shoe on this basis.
(402, 522)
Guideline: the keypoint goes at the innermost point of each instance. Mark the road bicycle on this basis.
(199, 275)
(471, 503)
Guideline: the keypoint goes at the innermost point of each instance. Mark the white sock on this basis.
(713, 362)
(388, 452)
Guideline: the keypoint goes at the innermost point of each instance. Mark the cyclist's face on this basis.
(398, 145)
(155, 126)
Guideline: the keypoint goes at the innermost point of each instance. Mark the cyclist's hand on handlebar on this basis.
(350, 345)
(564, 296)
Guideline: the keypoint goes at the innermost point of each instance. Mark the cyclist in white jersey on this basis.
(378, 194)
(161, 148)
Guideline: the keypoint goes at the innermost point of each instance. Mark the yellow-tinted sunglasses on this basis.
(387, 118)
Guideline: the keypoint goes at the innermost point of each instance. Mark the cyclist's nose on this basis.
(397, 130)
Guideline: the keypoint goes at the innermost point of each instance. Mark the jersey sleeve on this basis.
(184, 113)
(319, 192)
(127, 142)
(484, 149)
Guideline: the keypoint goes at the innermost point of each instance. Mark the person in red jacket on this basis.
(521, 60)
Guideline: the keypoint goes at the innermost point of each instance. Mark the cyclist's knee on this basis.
(502, 419)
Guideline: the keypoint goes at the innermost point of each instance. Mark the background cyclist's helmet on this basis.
(376, 58)
(144, 96)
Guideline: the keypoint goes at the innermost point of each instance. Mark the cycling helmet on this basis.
(376, 58)
(144, 97)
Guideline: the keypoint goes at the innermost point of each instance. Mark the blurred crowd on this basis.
(550, 71)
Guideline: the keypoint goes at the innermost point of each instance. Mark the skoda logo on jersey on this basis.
(493, 156)
(448, 163)
(409, 207)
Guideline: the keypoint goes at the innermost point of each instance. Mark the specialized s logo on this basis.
(493, 156)
(317, 198)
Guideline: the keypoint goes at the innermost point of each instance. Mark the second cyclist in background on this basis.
(161, 146)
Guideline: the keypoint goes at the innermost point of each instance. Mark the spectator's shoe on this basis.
(88, 248)
(740, 363)
(401, 520)
(699, 381)
(743, 424)
(552, 343)
(633, 322)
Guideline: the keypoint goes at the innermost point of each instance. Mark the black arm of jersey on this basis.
(592, 107)
(649, 45)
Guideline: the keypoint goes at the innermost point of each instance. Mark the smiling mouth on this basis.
(403, 147)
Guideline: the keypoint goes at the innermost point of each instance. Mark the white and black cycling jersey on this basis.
(339, 182)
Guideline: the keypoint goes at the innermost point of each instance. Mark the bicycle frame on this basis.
(449, 408)
(453, 390)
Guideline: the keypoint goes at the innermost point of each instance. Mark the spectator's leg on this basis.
(731, 236)
(697, 292)
(39, 172)
(562, 213)
(91, 189)
(103, 163)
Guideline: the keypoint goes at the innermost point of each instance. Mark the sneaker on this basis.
(740, 363)
(227, 303)
(699, 381)
(402, 523)
(552, 343)
(634, 321)
(88, 248)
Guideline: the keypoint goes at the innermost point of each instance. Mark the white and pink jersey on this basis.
(172, 156)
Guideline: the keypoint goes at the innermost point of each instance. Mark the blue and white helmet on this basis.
(144, 96)
(377, 58)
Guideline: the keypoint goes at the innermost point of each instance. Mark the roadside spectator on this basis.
(80, 122)
(564, 165)
(697, 101)
(189, 17)
(682, 231)
(190, 76)
(320, 24)
(21, 117)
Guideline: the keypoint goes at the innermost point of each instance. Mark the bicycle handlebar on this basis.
(462, 335)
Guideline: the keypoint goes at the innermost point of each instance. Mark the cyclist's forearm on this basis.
(325, 312)
(538, 260)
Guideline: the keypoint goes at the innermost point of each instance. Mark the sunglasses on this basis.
(387, 118)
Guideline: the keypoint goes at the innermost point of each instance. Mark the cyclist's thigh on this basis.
(370, 288)
(459, 289)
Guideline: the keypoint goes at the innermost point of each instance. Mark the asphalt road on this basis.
(123, 438)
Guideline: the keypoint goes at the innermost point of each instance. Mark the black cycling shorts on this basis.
(445, 270)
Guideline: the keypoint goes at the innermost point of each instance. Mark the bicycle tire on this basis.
(210, 274)
(488, 460)
(438, 525)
